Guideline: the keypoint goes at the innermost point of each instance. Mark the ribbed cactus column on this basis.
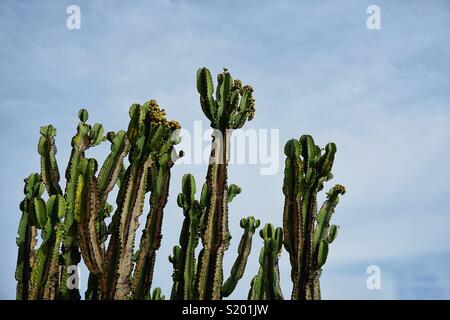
(306, 232)
(249, 225)
(230, 109)
(37, 271)
(73, 223)
(48, 280)
(184, 259)
(266, 284)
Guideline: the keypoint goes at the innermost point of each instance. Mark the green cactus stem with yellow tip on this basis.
(307, 233)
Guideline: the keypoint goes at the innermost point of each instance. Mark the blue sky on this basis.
(383, 96)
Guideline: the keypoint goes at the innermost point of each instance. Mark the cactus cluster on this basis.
(266, 284)
(73, 223)
(79, 222)
(307, 231)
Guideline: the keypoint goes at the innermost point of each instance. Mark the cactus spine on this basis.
(306, 232)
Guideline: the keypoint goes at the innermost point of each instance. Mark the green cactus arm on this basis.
(129, 207)
(323, 236)
(49, 166)
(224, 85)
(307, 210)
(245, 111)
(80, 142)
(26, 235)
(214, 222)
(272, 279)
(38, 274)
(93, 291)
(96, 135)
(145, 123)
(324, 215)
(189, 189)
(233, 191)
(237, 271)
(189, 239)
(187, 254)
(26, 243)
(160, 139)
(176, 275)
(309, 151)
(233, 104)
(40, 212)
(129, 212)
(215, 233)
(111, 169)
(85, 138)
(157, 295)
(87, 209)
(56, 209)
(332, 234)
(70, 255)
(256, 291)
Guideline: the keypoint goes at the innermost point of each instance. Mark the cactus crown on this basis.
(233, 103)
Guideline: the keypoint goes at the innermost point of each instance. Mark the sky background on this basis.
(382, 96)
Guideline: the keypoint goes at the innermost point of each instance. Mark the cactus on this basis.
(307, 233)
(151, 144)
(266, 284)
(208, 218)
(186, 272)
(74, 222)
(185, 265)
(26, 240)
(157, 295)
(237, 271)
